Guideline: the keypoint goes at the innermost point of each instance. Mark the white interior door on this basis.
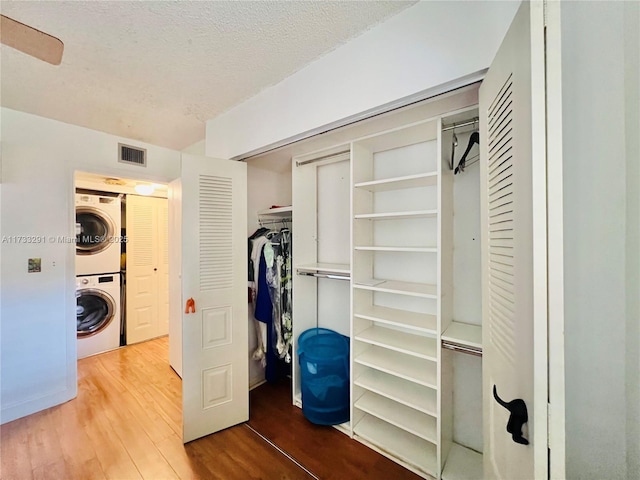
(215, 384)
(514, 276)
(142, 270)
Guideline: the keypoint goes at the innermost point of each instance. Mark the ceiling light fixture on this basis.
(143, 189)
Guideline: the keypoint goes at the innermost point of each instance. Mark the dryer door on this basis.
(94, 230)
(95, 310)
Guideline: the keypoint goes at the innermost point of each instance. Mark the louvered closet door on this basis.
(215, 384)
(142, 279)
(513, 187)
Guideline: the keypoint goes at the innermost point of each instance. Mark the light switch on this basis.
(35, 265)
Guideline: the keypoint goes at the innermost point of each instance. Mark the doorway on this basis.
(121, 261)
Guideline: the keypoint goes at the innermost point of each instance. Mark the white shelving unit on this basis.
(395, 299)
(397, 222)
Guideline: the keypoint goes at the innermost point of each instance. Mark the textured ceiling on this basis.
(155, 71)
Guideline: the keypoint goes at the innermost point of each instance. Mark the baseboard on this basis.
(22, 409)
(256, 382)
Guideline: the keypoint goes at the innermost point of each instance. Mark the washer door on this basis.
(94, 231)
(95, 309)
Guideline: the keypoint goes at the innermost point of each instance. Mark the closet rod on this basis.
(324, 157)
(274, 221)
(460, 125)
(324, 275)
(461, 348)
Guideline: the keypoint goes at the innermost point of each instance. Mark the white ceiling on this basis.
(155, 71)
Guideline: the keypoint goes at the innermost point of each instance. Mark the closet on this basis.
(321, 240)
(270, 290)
(386, 251)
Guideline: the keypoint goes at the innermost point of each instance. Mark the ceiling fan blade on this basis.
(30, 41)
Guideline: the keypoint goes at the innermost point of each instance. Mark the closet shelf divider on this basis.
(277, 212)
(397, 215)
(392, 440)
(421, 322)
(400, 183)
(366, 248)
(417, 423)
(415, 345)
(331, 268)
(410, 368)
(422, 290)
(402, 391)
(465, 334)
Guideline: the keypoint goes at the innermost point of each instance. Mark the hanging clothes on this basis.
(264, 314)
(280, 282)
(257, 244)
(271, 296)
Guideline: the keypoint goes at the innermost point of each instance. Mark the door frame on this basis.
(555, 243)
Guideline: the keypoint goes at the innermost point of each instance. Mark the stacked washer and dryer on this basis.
(98, 309)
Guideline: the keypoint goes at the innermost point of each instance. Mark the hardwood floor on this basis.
(126, 423)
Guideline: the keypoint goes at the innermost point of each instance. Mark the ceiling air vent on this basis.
(132, 155)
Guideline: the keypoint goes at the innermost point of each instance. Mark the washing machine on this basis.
(98, 240)
(98, 313)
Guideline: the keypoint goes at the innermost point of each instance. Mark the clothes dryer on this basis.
(98, 240)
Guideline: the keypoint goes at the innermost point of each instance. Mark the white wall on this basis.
(264, 189)
(196, 148)
(632, 119)
(426, 45)
(601, 323)
(38, 324)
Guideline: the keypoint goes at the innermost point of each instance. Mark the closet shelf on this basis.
(462, 464)
(415, 345)
(277, 212)
(397, 215)
(422, 290)
(422, 322)
(464, 334)
(332, 268)
(404, 366)
(406, 418)
(402, 391)
(396, 249)
(399, 183)
(395, 441)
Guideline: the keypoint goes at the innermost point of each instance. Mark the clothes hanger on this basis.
(473, 139)
(454, 144)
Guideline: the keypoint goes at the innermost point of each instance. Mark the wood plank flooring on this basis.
(126, 423)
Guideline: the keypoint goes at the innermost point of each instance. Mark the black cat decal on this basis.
(517, 417)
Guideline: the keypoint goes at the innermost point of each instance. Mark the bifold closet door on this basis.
(213, 229)
(147, 314)
(513, 211)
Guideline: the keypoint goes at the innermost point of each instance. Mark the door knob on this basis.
(518, 416)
